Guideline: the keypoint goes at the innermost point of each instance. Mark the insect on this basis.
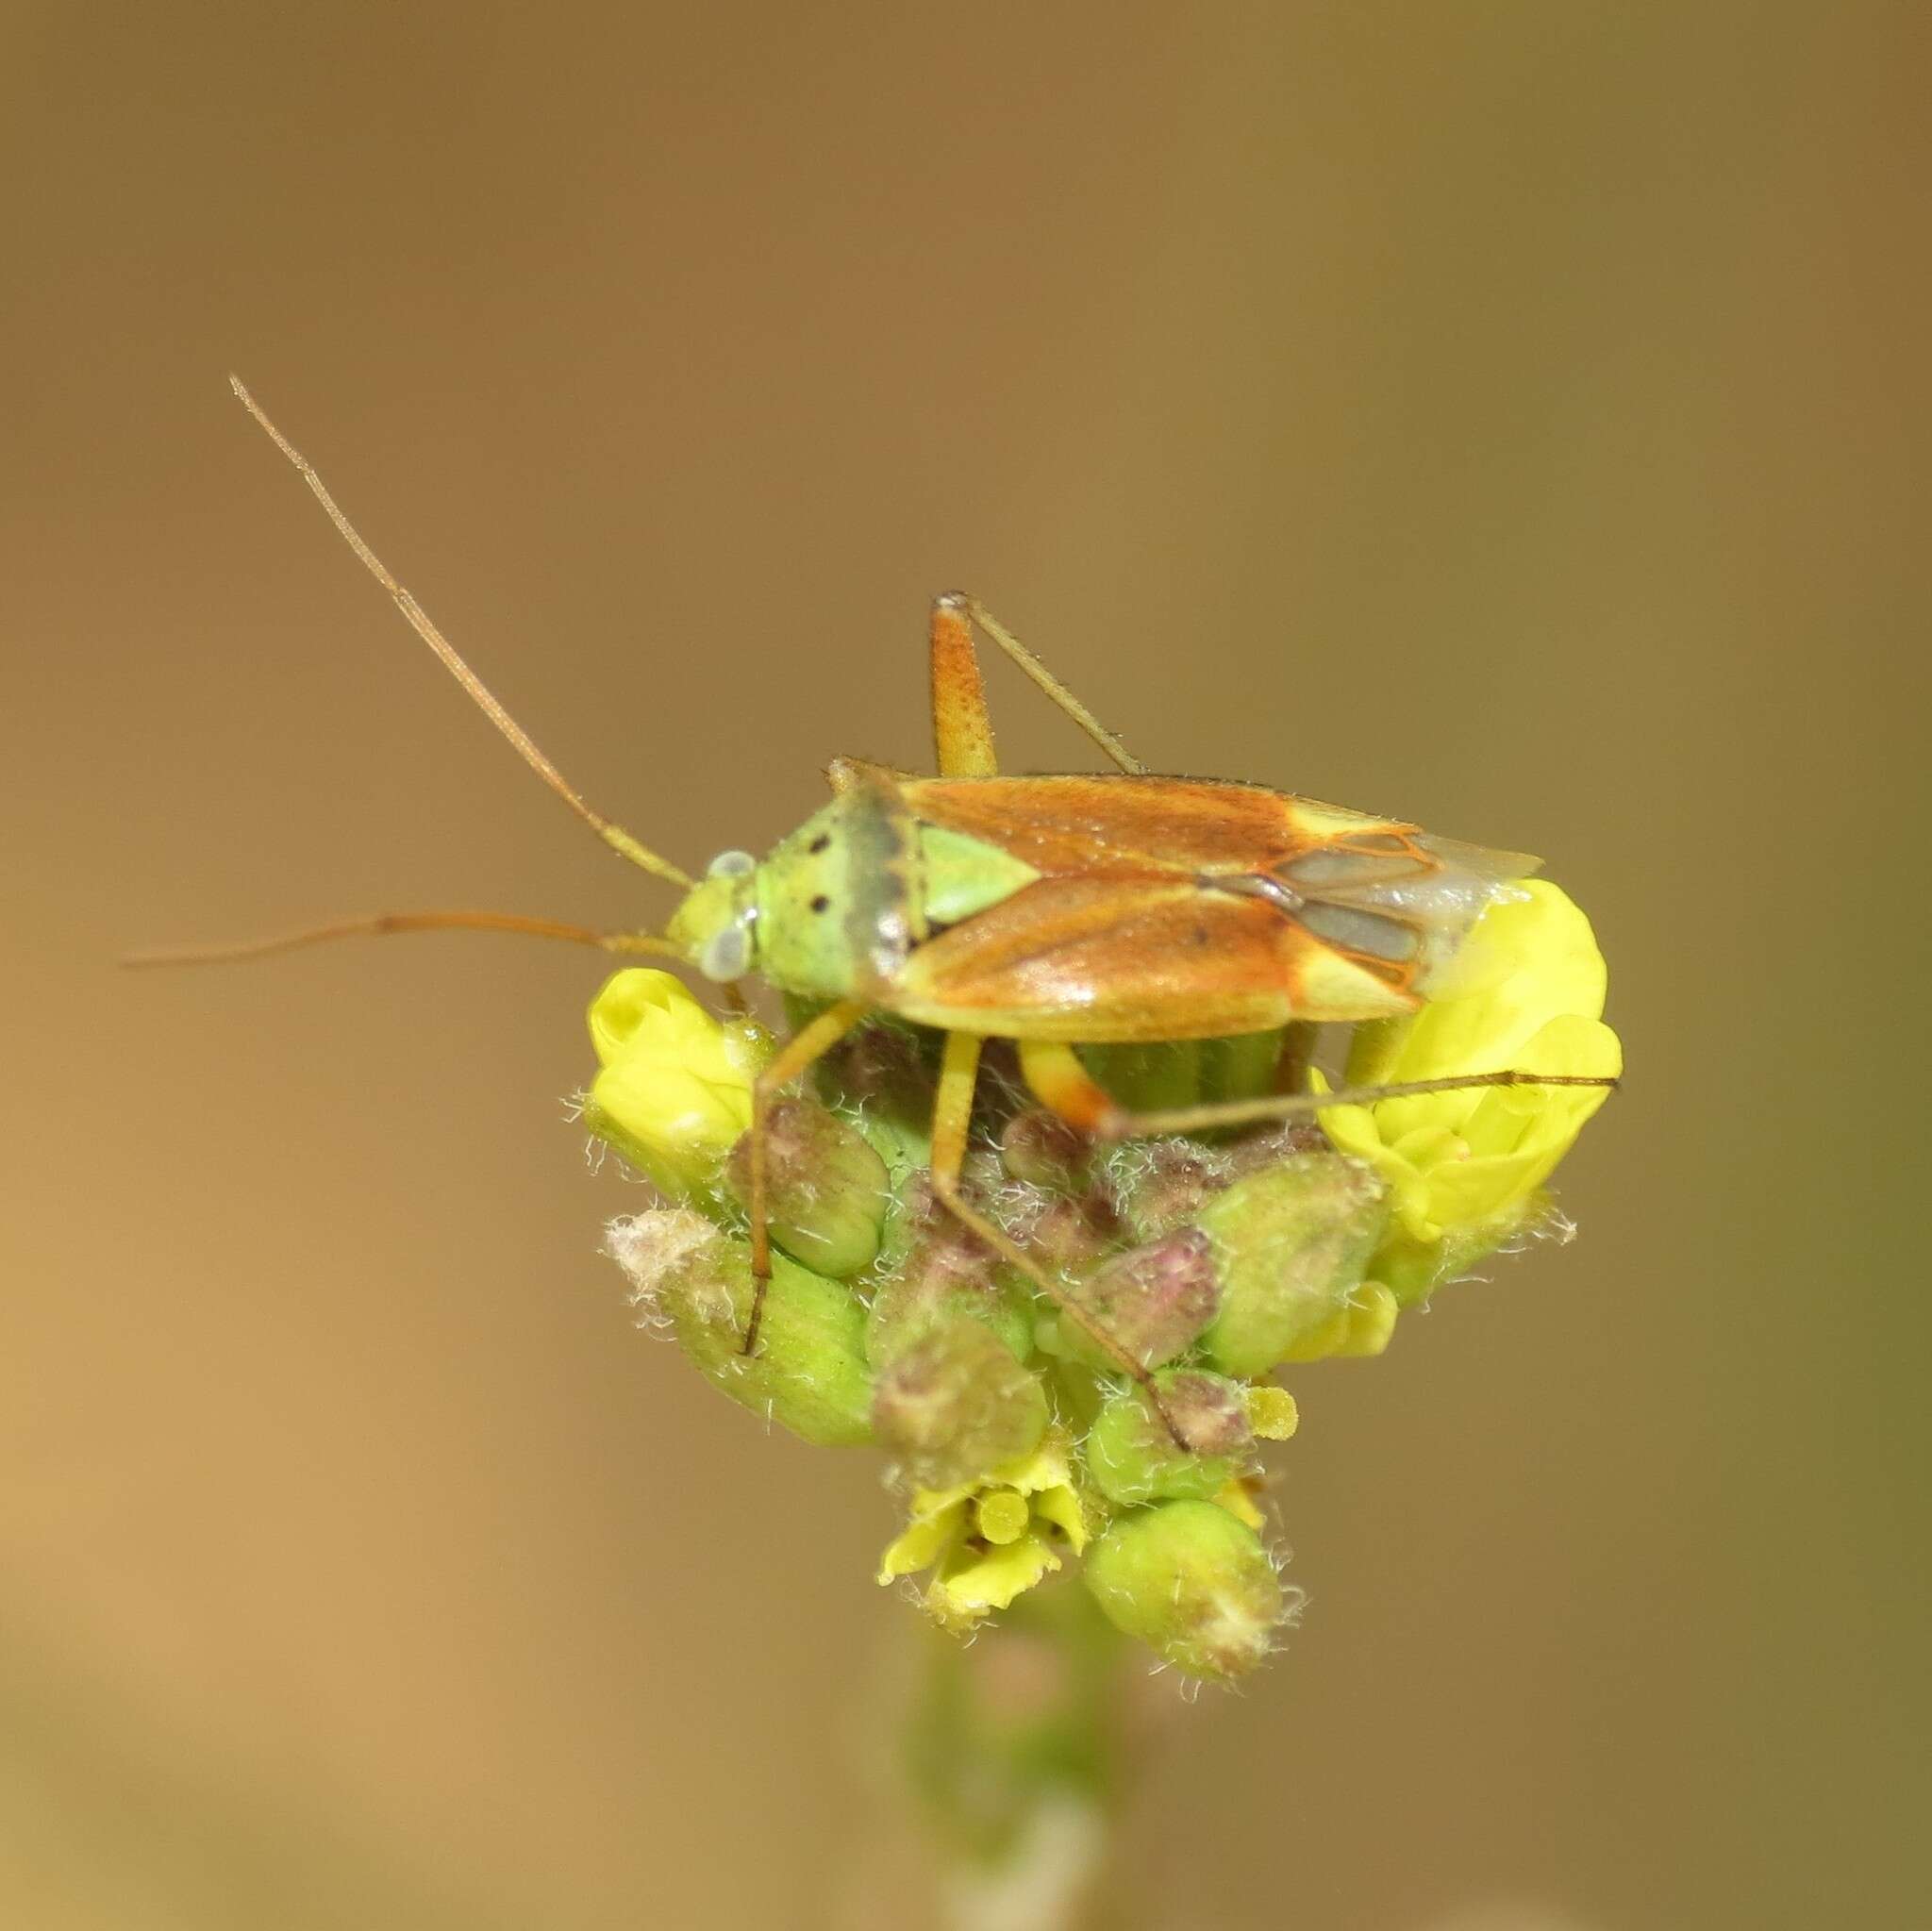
(1055, 912)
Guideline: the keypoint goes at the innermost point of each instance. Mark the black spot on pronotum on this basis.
(822, 903)
(821, 842)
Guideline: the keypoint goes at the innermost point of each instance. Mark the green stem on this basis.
(1015, 1748)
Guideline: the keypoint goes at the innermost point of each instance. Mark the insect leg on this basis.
(1055, 1073)
(815, 1038)
(962, 730)
(952, 1118)
(972, 610)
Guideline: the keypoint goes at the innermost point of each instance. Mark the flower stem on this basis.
(1015, 1746)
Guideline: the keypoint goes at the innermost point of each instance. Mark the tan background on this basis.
(1503, 414)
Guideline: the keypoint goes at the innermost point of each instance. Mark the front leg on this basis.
(809, 1043)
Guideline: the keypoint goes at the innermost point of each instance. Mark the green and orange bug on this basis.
(1055, 912)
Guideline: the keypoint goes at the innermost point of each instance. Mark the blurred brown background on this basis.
(1504, 414)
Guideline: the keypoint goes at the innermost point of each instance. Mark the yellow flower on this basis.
(673, 1094)
(1465, 1169)
(990, 1539)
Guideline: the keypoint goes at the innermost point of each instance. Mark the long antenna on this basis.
(614, 836)
(379, 924)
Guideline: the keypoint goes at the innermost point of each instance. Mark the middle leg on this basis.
(952, 1120)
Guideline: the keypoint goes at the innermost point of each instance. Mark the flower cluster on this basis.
(1018, 1446)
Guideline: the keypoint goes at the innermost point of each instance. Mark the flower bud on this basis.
(826, 1189)
(673, 1089)
(956, 1403)
(1466, 1168)
(1163, 1184)
(810, 1372)
(1040, 1149)
(1154, 1302)
(1072, 1235)
(1191, 1582)
(1290, 1244)
(1132, 1455)
(1363, 1328)
(948, 1272)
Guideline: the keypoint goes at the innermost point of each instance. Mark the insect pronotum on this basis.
(1052, 911)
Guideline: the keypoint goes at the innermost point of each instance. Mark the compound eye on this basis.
(726, 955)
(731, 865)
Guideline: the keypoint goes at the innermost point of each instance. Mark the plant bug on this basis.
(1053, 911)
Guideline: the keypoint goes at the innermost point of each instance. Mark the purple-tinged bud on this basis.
(881, 1066)
(826, 1189)
(1041, 1150)
(948, 1272)
(1072, 1235)
(810, 1372)
(1163, 1184)
(1290, 1244)
(1133, 1457)
(955, 1404)
(1153, 1301)
(1191, 1581)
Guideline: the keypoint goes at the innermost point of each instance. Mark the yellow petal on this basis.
(924, 1539)
(991, 1580)
(1529, 961)
(1235, 1498)
(1060, 1505)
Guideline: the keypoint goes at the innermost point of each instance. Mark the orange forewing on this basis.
(1129, 826)
(1103, 959)
(1138, 826)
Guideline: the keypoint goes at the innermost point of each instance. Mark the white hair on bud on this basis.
(652, 1246)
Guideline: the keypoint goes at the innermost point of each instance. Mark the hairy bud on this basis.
(956, 1403)
(1290, 1244)
(1040, 1149)
(1154, 1302)
(826, 1189)
(1191, 1582)
(810, 1372)
(1131, 1451)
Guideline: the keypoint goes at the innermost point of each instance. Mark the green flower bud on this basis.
(1191, 1582)
(1132, 1455)
(826, 1189)
(1290, 1244)
(956, 1403)
(1153, 1300)
(809, 1374)
(947, 1272)
(1362, 1329)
